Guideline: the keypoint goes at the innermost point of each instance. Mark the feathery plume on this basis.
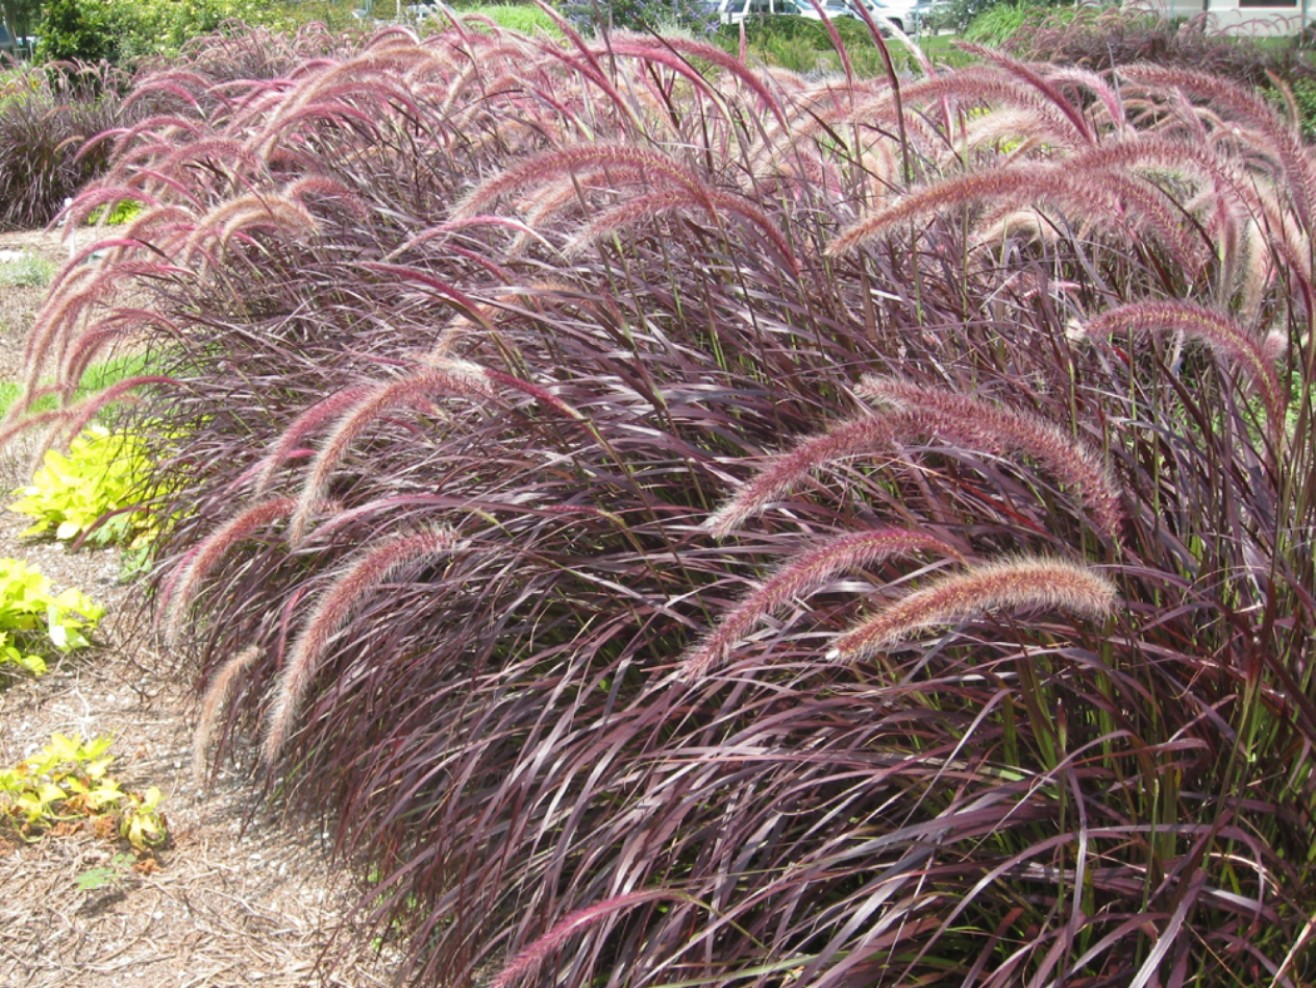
(643, 46)
(540, 168)
(1022, 185)
(865, 434)
(213, 701)
(802, 575)
(1029, 75)
(452, 378)
(530, 957)
(361, 576)
(1014, 584)
(182, 585)
(1221, 333)
(247, 212)
(999, 429)
(299, 428)
(79, 415)
(1247, 106)
(709, 200)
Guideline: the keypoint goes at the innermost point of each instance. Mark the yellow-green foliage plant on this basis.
(35, 622)
(89, 492)
(68, 783)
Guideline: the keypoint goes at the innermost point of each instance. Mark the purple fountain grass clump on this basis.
(1014, 584)
(800, 575)
(360, 576)
(501, 732)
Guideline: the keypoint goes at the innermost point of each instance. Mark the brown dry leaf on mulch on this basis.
(238, 897)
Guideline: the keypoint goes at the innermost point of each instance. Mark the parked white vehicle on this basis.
(903, 15)
(735, 11)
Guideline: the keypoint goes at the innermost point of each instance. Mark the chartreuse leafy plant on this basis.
(36, 623)
(68, 783)
(115, 214)
(91, 490)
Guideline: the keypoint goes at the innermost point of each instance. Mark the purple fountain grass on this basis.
(524, 232)
(448, 378)
(360, 576)
(316, 187)
(100, 196)
(1247, 106)
(529, 959)
(710, 201)
(1020, 185)
(213, 701)
(118, 326)
(867, 433)
(1000, 429)
(1014, 584)
(938, 414)
(568, 196)
(1217, 330)
(974, 85)
(564, 162)
(185, 579)
(182, 84)
(54, 327)
(234, 155)
(660, 48)
(77, 416)
(249, 212)
(306, 423)
(501, 732)
(1098, 85)
(1031, 77)
(801, 575)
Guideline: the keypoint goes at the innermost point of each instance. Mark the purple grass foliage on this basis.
(377, 566)
(46, 114)
(758, 368)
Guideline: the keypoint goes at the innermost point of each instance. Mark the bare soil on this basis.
(239, 898)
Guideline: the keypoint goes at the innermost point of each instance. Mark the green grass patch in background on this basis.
(802, 45)
(522, 18)
(28, 271)
(97, 378)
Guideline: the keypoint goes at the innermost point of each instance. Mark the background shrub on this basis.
(1003, 22)
(801, 44)
(641, 15)
(126, 30)
(523, 18)
(45, 116)
(736, 529)
(1097, 38)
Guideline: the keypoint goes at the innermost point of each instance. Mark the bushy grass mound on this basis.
(50, 113)
(46, 114)
(704, 527)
